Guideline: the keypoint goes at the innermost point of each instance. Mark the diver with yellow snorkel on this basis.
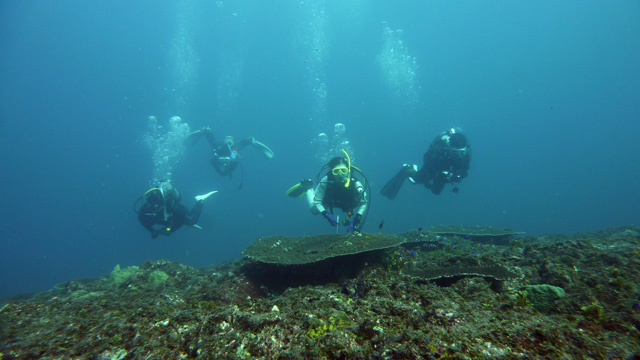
(339, 188)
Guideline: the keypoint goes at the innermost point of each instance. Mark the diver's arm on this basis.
(210, 138)
(146, 223)
(460, 169)
(361, 206)
(316, 204)
(462, 172)
(467, 163)
(195, 136)
(146, 217)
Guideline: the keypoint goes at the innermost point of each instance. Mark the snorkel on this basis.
(349, 166)
(164, 205)
(164, 201)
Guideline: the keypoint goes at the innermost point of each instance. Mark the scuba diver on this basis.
(224, 156)
(337, 189)
(161, 212)
(446, 162)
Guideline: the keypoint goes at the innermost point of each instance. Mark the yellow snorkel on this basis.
(150, 190)
(349, 165)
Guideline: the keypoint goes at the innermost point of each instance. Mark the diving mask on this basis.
(458, 153)
(340, 171)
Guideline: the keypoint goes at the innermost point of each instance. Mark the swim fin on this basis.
(264, 149)
(393, 186)
(205, 196)
(299, 189)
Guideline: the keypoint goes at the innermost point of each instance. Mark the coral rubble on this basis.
(431, 297)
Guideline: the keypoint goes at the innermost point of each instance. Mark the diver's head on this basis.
(169, 194)
(458, 145)
(340, 171)
(457, 141)
(228, 140)
(154, 198)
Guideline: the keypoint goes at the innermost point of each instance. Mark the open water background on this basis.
(547, 92)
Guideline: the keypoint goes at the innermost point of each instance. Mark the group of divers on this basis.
(341, 187)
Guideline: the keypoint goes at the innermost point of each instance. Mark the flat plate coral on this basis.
(479, 233)
(496, 272)
(285, 250)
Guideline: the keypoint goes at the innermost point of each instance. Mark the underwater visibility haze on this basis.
(97, 98)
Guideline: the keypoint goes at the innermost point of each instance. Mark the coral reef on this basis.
(286, 250)
(431, 297)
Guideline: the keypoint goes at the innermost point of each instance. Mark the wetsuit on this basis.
(443, 164)
(152, 217)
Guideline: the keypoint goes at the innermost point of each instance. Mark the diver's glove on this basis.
(163, 231)
(354, 223)
(330, 218)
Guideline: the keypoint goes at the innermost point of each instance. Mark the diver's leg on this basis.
(210, 138)
(421, 176)
(192, 217)
(393, 186)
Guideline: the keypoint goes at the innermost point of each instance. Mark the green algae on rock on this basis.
(285, 250)
(118, 275)
(543, 297)
(158, 277)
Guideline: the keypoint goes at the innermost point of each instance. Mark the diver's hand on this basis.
(330, 218)
(444, 176)
(156, 232)
(355, 221)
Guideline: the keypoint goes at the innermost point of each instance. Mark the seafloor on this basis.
(451, 296)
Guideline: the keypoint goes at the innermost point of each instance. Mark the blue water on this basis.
(548, 94)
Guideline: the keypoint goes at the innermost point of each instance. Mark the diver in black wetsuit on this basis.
(224, 156)
(445, 162)
(161, 212)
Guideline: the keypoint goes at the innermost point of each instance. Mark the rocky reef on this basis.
(431, 295)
